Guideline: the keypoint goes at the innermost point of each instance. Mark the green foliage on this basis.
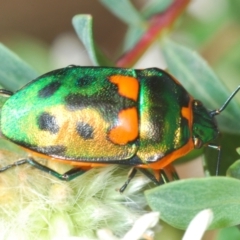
(155, 6)
(14, 73)
(83, 26)
(178, 202)
(191, 70)
(232, 233)
(228, 65)
(34, 51)
(124, 8)
(234, 170)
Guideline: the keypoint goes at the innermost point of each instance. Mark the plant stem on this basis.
(157, 25)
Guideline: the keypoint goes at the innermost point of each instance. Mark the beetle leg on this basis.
(218, 148)
(67, 176)
(161, 176)
(131, 175)
(20, 162)
(171, 172)
(5, 93)
(175, 176)
(164, 176)
(72, 173)
(151, 176)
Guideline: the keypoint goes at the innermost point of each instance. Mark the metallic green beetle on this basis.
(93, 116)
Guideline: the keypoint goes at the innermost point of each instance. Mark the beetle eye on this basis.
(197, 103)
(197, 142)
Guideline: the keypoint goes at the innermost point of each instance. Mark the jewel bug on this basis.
(94, 116)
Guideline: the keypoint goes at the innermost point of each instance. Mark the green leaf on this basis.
(155, 6)
(14, 72)
(178, 202)
(234, 6)
(201, 82)
(2, 99)
(124, 10)
(32, 50)
(132, 36)
(229, 66)
(238, 150)
(82, 24)
(234, 170)
(232, 233)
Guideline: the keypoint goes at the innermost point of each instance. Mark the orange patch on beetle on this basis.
(127, 127)
(127, 86)
(186, 112)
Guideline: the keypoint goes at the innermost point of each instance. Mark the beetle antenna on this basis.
(218, 111)
(5, 93)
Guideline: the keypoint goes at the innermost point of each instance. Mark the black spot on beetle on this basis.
(85, 130)
(47, 122)
(49, 90)
(85, 81)
(184, 99)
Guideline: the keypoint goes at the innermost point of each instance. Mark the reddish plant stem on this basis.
(157, 24)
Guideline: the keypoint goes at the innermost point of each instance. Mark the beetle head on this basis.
(204, 125)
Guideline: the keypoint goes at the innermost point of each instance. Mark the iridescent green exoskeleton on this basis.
(93, 116)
